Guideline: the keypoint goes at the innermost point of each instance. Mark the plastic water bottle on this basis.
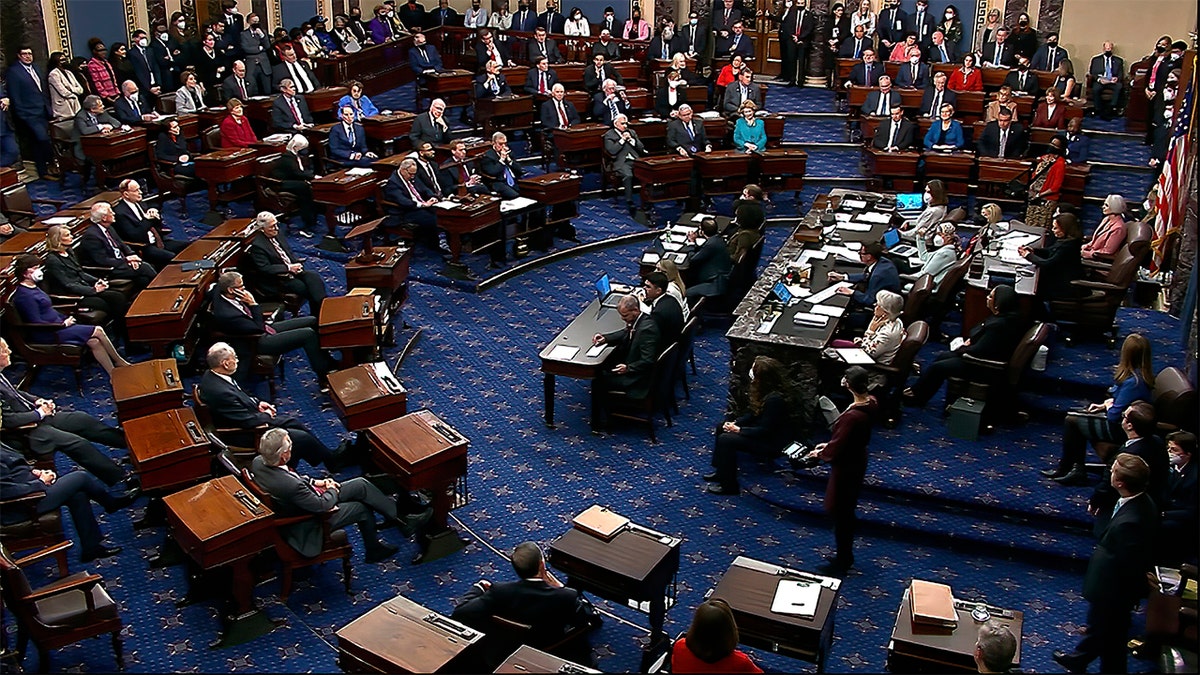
(1039, 359)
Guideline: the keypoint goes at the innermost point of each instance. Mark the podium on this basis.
(363, 398)
(401, 636)
(386, 272)
(162, 316)
(347, 323)
(168, 449)
(221, 252)
(664, 178)
(390, 129)
(424, 453)
(557, 193)
(146, 388)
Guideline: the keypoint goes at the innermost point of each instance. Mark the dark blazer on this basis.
(995, 337)
(396, 193)
(443, 17)
(851, 49)
(16, 479)
(292, 494)
(948, 96)
(433, 62)
(603, 113)
(870, 105)
(282, 118)
(935, 53)
(125, 111)
(433, 183)
(1042, 61)
(551, 611)
(85, 127)
(234, 321)
(229, 405)
(531, 80)
(787, 27)
(732, 103)
(686, 41)
(265, 265)
(287, 169)
(209, 68)
(17, 408)
(424, 130)
(1154, 453)
(535, 50)
(28, 101)
(451, 177)
(341, 147)
(490, 166)
(1061, 263)
(638, 355)
(988, 143)
(1096, 69)
(846, 453)
(924, 28)
(620, 152)
(481, 52)
(281, 72)
(662, 105)
(1008, 58)
(883, 277)
(146, 71)
(656, 48)
(886, 24)
(905, 80)
(1180, 506)
(525, 21)
(133, 229)
(592, 81)
(1013, 79)
(726, 48)
(94, 250)
(711, 261)
(1116, 573)
(66, 276)
(667, 313)
(553, 22)
(483, 90)
(771, 429)
(1077, 149)
(677, 136)
(550, 118)
(904, 136)
(858, 74)
(229, 87)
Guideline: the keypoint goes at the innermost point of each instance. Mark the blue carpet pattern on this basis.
(973, 515)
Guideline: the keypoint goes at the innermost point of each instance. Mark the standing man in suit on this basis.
(914, 74)
(896, 134)
(167, 55)
(277, 270)
(458, 171)
(999, 54)
(525, 19)
(491, 83)
(1107, 72)
(692, 39)
(540, 79)
(922, 23)
(710, 261)
(605, 46)
(238, 85)
(937, 95)
(1020, 79)
(622, 144)
(880, 275)
(132, 108)
(1140, 430)
(237, 313)
(609, 102)
(72, 433)
(355, 501)
(348, 141)
(1048, 56)
(552, 20)
(1002, 137)
(1075, 142)
(635, 349)
(431, 126)
(443, 16)
(289, 112)
(609, 22)
(1115, 580)
(891, 25)
(737, 43)
(303, 79)
(541, 46)
(664, 308)
(600, 70)
(855, 46)
(498, 165)
(796, 28)
(722, 26)
(686, 135)
(145, 66)
(256, 47)
(143, 227)
(880, 103)
(232, 23)
(30, 105)
(941, 51)
(100, 246)
(739, 92)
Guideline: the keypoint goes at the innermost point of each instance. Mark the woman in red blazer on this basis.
(235, 129)
(966, 78)
(1051, 112)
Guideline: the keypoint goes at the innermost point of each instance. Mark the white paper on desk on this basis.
(650, 258)
(855, 246)
(796, 597)
(853, 204)
(810, 319)
(841, 217)
(709, 115)
(446, 204)
(766, 326)
(671, 246)
(828, 310)
(699, 217)
(854, 355)
(563, 352)
(595, 351)
(852, 226)
(1017, 238)
(277, 138)
(828, 293)
(843, 252)
(798, 291)
(873, 217)
(58, 220)
(811, 254)
(359, 171)
(516, 203)
(677, 229)
(679, 258)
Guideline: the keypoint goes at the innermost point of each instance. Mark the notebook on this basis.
(932, 603)
(600, 522)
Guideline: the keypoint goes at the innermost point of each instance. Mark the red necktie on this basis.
(562, 115)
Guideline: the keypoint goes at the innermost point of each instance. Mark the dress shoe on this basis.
(834, 569)
(1054, 473)
(713, 489)
(409, 525)
(1073, 662)
(1076, 476)
(651, 642)
(381, 551)
(710, 477)
(100, 553)
(125, 499)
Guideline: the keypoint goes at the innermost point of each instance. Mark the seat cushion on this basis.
(70, 607)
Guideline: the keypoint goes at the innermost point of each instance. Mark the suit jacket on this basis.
(94, 250)
(551, 611)
(638, 354)
(1043, 118)
(883, 277)
(871, 105)
(1077, 149)
(256, 45)
(282, 117)
(230, 406)
(293, 494)
(380, 31)
(1096, 69)
(592, 81)
(668, 314)
(935, 53)
(1116, 573)
(125, 111)
(711, 261)
(905, 80)
(525, 21)
(1008, 57)
(1154, 453)
(922, 26)
(424, 130)
(29, 102)
(451, 176)
(927, 100)
(396, 193)
(430, 176)
(229, 88)
(483, 90)
(85, 126)
(858, 74)
(66, 276)
(611, 51)
(620, 151)
(662, 104)
(287, 168)
(532, 86)
(340, 147)
(787, 25)
(17, 408)
(267, 269)
(1042, 60)
(432, 60)
(553, 22)
(851, 49)
(1180, 505)
(233, 321)
(891, 24)
(677, 136)
(996, 337)
(489, 165)
(281, 72)
(146, 71)
(1013, 79)
(602, 112)
(726, 47)
(656, 48)
(904, 135)
(443, 17)
(733, 98)
(481, 52)
(550, 117)
(535, 50)
(132, 228)
(16, 480)
(691, 39)
(209, 68)
(988, 143)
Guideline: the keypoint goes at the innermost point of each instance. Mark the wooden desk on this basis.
(168, 449)
(400, 636)
(163, 316)
(723, 172)
(321, 102)
(8, 177)
(390, 129)
(237, 229)
(749, 588)
(363, 398)
(557, 194)
(342, 189)
(530, 660)
(232, 167)
(146, 388)
(215, 527)
(468, 217)
(222, 252)
(916, 648)
(953, 168)
(970, 106)
(652, 133)
(455, 87)
(347, 323)
(380, 68)
(993, 78)
(1074, 183)
(995, 175)
(117, 154)
(664, 178)
(386, 272)
(424, 453)
(638, 565)
(579, 366)
(24, 242)
(174, 276)
(501, 113)
(898, 168)
(579, 147)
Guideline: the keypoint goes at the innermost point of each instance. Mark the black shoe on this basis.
(1076, 476)
(649, 643)
(731, 491)
(1073, 662)
(710, 477)
(381, 551)
(100, 553)
(125, 499)
(1054, 473)
(834, 569)
(409, 525)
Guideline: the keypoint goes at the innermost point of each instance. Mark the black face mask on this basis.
(1052, 43)
(1160, 49)
(1108, 52)
(1024, 22)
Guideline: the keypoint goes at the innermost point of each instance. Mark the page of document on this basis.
(446, 204)
(360, 171)
(796, 597)
(563, 352)
(854, 226)
(828, 293)
(853, 204)
(766, 326)
(650, 258)
(828, 310)
(671, 246)
(596, 350)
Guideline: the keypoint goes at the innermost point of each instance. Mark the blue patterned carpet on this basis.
(973, 515)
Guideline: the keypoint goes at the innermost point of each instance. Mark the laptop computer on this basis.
(604, 292)
(895, 246)
(909, 201)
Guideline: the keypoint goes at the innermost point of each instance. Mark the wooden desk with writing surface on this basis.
(174, 276)
(390, 131)
(8, 177)
(749, 587)
(921, 648)
(237, 229)
(558, 193)
(216, 525)
(24, 242)
(653, 133)
(162, 316)
(380, 68)
(637, 565)
(531, 660)
(342, 189)
(117, 153)
(232, 167)
(570, 74)
(455, 87)
(953, 168)
(223, 253)
(422, 452)
(146, 388)
(468, 217)
(897, 168)
(1074, 183)
(969, 106)
(630, 70)
(580, 146)
(724, 172)
(717, 129)
(993, 78)
(640, 99)
(386, 272)
(321, 102)
(363, 397)
(995, 175)
(578, 365)
(664, 178)
(856, 97)
(347, 323)
(168, 449)
(401, 636)
(502, 113)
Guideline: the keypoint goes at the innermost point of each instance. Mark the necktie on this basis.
(495, 84)
(1116, 507)
(542, 86)
(1154, 71)
(464, 175)
(91, 119)
(412, 191)
(437, 187)
(133, 105)
(246, 310)
(349, 133)
(921, 23)
(34, 76)
(937, 104)
(1107, 67)
(242, 87)
(691, 134)
(799, 23)
(914, 75)
(999, 54)
(1003, 142)
(1051, 65)
(612, 106)
(665, 48)
(868, 71)
(111, 242)
(424, 54)
(892, 136)
(295, 109)
(508, 176)
(287, 260)
(142, 53)
(1022, 79)
(945, 57)
(727, 17)
(562, 115)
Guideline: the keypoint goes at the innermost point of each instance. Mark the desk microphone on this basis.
(169, 376)
(178, 303)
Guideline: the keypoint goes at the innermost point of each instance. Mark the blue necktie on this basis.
(508, 177)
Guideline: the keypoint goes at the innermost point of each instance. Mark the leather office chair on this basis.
(16, 203)
(945, 295)
(1095, 311)
(1174, 401)
(170, 185)
(60, 613)
(504, 636)
(896, 373)
(390, 211)
(36, 354)
(918, 296)
(33, 531)
(210, 139)
(241, 443)
(269, 194)
(686, 355)
(63, 148)
(997, 383)
(657, 401)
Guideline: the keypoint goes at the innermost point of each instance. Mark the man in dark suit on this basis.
(622, 144)
(915, 73)
(1115, 580)
(880, 103)
(686, 135)
(1049, 55)
(796, 28)
(855, 46)
(541, 78)
(304, 80)
(431, 126)
(69, 432)
(737, 93)
(1076, 143)
(936, 95)
(443, 16)
(100, 246)
(609, 102)
(501, 168)
(275, 269)
(1021, 79)
(605, 46)
(238, 315)
(880, 275)
(237, 85)
(233, 408)
(890, 25)
(710, 261)
(600, 70)
(1002, 137)
(664, 308)
(146, 70)
(168, 55)
(721, 22)
(410, 203)
(491, 83)
(355, 501)
(524, 20)
(424, 58)
(428, 173)
(894, 135)
(557, 112)
(1107, 72)
(141, 226)
(289, 112)
(867, 73)
(609, 22)
(410, 16)
(536, 599)
(635, 349)
(30, 105)
(256, 46)
(999, 54)
(1138, 423)
(459, 171)
(921, 22)
(488, 50)
(552, 20)
(1178, 537)
(737, 43)
(131, 108)
(232, 23)
(348, 141)
(692, 38)
(543, 47)
(941, 51)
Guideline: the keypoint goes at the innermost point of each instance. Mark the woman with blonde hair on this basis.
(65, 276)
(676, 288)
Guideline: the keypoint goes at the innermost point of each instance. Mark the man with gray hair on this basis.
(90, 120)
(131, 108)
(630, 364)
(499, 165)
(355, 501)
(101, 246)
(275, 270)
(994, 648)
(622, 145)
(289, 112)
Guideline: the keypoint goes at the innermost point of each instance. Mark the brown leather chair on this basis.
(1095, 311)
(36, 354)
(1174, 401)
(60, 613)
(241, 443)
(998, 383)
(918, 296)
(210, 139)
(945, 295)
(169, 185)
(644, 410)
(896, 373)
(63, 147)
(16, 203)
(269, 193)
(33, 530)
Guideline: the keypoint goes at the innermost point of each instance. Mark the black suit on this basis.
(270, 274)
(146, 71)
(127, 112)
(169, 150)
(593, 80)
(1022, 85)
(552, 611)
(425, 130)
(231, 89)
(903, 139)
(486, 88)
(453, 174)
(137, 229)
(667, 313)
(691, 39)
(993, 339)
(96, 250)
(1060, 263)
(69, 432)
(1101, 66)
(710, 265)
(1007, 58)
(534, 86)
(66, 276)
(1154, 453)
(1178, 540)
(295, 175)
(603, 112)
(548, 49)
(861, 78)
(240, 321)
(233, 408)
(491, 166)
(931, 103)
(283, 117)
(551, 119)
(292, 71)
(988, 143)
(871, 106)
(678, 136)
(795, 32)
(638, 349)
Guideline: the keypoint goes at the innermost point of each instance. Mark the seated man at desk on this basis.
(424, 58)
(867, 73)
(914, 74)
(710, 263)
(491, 82)
(143, 227)
(622, 144)
(277, 270)
(237, 85)
(600, 70)
(348, 141)
(132, 108)
(354, 501)
(537, 599)
(1021, 79)
(739, 92)
(233, 408)
(880, 275)
(498, 165)
(1003, 138)
(557, 112)
(431, 126)
(92, 119)
(686, 135)
(878, 103)
(459, 171)
(289, 112)
(936, 95)
(609, 102)
(238, 315)
(289, 68)
(636, 348)
(543, 47)
(737, 43)
(896, 134)
(604, 45)
(100, 246)
(541, 78)
(413, 204)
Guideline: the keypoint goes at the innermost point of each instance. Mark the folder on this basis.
(600, 522)
(932, 603)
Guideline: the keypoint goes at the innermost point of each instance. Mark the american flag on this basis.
(1173, 181)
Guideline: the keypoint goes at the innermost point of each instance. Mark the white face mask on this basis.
(310, 32)
(181, 25)
(751, 375)
(789, 4)
(927, 197)
(939, 241)
(163, 37)
(915, 60)
(142, 42)
(693, 21)
(37, 275)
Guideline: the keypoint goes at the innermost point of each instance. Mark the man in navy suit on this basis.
(1049, 55)
(880, 103)
(348, 141)
(424, 58)
(880, 275)
(936, 95)
(558, 113)
(542, 46)
(890, 25)
(289, 112)
(31, 108)
(132, 108)
(541, 78)
(525, 19)
(146, 69)
(914, 74)
(100, 246)
(867, 73)
(552, 19)
(941, 51)
(921, 22)
(737, 43)
(1180, 505)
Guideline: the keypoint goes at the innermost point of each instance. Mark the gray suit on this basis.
(734, 98)
(623, 155)
(357, 502)
(87, 124)
(258, 63)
